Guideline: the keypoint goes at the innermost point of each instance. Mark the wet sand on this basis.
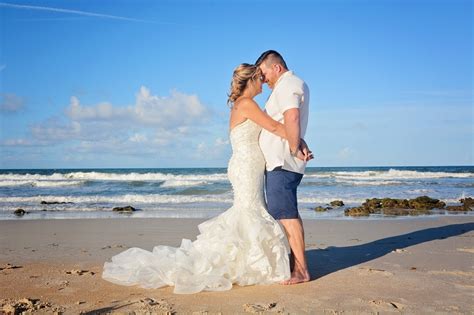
(414, 265)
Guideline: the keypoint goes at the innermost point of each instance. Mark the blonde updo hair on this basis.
(242, 74)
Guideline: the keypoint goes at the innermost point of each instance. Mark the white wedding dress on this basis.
(244, 245)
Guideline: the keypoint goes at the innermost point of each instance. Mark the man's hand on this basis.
(304, 153)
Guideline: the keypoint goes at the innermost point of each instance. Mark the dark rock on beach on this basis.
(337, 203)
(426, 203)
(455, 208)
(322, 209)
(390, 206)
(467, 204)
(124, 209)
(20, 212)
(358, 211)
(395, 203)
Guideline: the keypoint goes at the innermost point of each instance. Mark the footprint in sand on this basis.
(28, 306)
(386, 305)
(142, 306)
(331, 311)
(113, 246)
(63, 284)
(153, 306)
(9, 266)
(80, 272)
(59, 283)
(262, 307)
(452, 308)
(466, 250)
(368, 270)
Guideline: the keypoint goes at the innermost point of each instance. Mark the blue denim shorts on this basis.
(280, 190)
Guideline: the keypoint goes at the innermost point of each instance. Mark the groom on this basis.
(288, 104)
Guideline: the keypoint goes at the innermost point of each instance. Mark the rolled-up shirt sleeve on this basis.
(290, 95)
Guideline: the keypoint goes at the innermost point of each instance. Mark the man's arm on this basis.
(292, 128)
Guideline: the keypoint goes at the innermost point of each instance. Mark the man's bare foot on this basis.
(297, 277)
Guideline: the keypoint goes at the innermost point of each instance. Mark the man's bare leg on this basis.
(292, 260)
(295, 233)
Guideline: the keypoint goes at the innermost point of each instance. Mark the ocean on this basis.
(206, 192)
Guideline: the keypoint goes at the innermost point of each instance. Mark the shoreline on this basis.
(306, 214)
(366, 266)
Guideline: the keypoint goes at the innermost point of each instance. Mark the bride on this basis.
(244, 245)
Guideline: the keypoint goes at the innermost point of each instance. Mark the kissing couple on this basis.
(248, 243)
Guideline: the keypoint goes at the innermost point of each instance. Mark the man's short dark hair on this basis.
(273, 56)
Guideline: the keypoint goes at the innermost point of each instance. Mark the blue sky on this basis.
(144, 83)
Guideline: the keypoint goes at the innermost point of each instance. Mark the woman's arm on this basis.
(249, 109)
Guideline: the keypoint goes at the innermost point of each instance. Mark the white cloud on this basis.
(179, 110)
(183, 130)
(16, 142)
(212, 151)
(152, 122)
(164, 136)
(138, 137)
(153, 127)
(113, 146)
(11, 103)
(221, 142)
(137, 145)
(201, 147)
(102, 111)
(53, 130)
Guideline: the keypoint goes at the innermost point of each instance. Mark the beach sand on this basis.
(415, 265)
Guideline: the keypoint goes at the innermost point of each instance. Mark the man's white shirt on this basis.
(289, 92)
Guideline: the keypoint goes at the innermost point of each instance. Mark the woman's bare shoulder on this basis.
(244, 102)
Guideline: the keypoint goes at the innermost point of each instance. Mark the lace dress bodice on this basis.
(246, 166)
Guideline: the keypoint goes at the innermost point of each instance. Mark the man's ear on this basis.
(278, 68)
